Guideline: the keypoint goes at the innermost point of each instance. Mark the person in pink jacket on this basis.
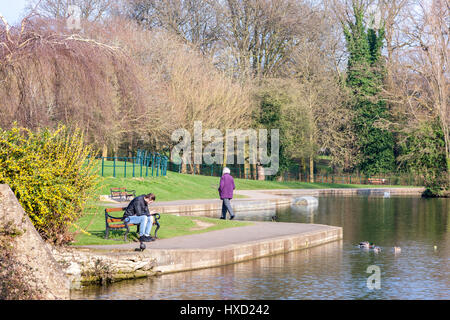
(226, 188)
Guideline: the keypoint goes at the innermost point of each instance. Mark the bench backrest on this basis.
(118, 189)
(109, 218)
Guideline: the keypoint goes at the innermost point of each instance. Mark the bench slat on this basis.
(114, 209)
(117, 226)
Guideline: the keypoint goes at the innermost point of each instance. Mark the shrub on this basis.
(50, 176)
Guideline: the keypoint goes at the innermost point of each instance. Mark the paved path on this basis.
(220, 238)
(250, 196)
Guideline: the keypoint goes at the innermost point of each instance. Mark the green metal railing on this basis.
(144, 164)
(237, 171)
(293, 174)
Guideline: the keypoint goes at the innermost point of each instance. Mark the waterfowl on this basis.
(364, 244)
(397, 249)
(376, 249)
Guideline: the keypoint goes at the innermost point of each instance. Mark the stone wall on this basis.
(84, 266)
(31, 250)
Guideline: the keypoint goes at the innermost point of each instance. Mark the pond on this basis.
(338, 270)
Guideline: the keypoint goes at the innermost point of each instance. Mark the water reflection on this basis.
(257, 215)
(332, 271)
(279, 277)
(306, 212)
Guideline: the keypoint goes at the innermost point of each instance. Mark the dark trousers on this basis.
(226, 206)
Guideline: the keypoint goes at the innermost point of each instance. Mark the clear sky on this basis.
(12, 10)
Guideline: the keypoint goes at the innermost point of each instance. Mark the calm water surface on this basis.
(331, 271)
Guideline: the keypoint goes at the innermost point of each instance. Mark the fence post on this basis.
(153, 162)
(103, 163)
(114, 167)
(134, 160)
(166, 163)
(157, 164)
(125, 168)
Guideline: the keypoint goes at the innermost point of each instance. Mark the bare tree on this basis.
(93, 10)
(427, 58)
(48, 76)
(195, 21)
(262, 34)
(195, 90)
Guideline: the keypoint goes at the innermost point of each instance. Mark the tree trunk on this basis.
(105, 151)
(225, 152)
(303, 168)
(130, 146)
(311, 159)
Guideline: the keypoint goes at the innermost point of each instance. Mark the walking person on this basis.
(226, 188)
(137, 213)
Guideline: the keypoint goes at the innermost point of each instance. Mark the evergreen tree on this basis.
(365, 77)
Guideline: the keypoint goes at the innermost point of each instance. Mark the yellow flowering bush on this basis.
(50, 174)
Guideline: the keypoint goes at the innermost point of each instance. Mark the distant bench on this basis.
(377, 181)
(122, 193)
(117, 222)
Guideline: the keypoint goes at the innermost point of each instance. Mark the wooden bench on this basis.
(377, 181)
(115, 223)
(122, 193)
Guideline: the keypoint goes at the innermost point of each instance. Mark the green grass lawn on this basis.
(90, 228)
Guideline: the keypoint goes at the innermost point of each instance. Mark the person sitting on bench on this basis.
(137, 213)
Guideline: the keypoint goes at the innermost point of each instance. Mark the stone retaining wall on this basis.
(84, 266)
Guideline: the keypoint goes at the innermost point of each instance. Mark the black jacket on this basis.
(137, 207)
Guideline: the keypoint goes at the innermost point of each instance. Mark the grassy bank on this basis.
(176, 186)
